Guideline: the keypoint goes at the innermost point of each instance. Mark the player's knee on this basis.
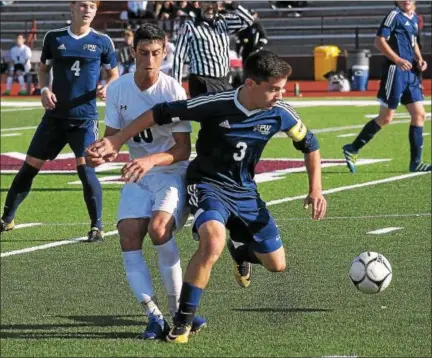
(279, 266)
(384, 120)
(211, 245)
(19, 73)
(418, 118)
(129, 240)
(160, 232)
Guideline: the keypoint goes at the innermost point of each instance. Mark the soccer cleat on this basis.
(4, 226)
(350, 157)
(95, 235)
(179, 333)
(23, 93)
(6, 93)
(420, 167)
(242, 270)
(157, 328)
(198, 324)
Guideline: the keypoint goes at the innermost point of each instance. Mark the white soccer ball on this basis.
(370, 272)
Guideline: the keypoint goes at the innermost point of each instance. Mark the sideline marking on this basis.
(385, 230)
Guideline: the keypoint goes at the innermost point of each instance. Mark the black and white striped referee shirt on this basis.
(207, 46)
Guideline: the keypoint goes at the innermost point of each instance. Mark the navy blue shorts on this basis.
(246, 216)
(53, 134)
(399, 86)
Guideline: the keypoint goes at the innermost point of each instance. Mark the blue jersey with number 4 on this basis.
(232, 138)
(76, 62)
(401, 31)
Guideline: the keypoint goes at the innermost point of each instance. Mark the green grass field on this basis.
(73, 300)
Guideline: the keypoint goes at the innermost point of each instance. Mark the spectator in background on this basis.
(167, 62)
(19, 66)
(289, 5)
(252, 39)
(139, 10)
(125, 58)
(165, 14)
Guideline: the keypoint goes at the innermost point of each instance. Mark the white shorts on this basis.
(155, 192)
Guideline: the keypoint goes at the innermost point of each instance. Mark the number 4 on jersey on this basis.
(76, 68)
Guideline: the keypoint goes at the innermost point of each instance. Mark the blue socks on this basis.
(367, 133)
(92, 194)
(189, 300)
(416, 143)
(18, 191)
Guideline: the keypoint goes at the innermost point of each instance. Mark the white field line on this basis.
(272, 202)
(20, 109)
(17, 129)
(384, 230)
(396, 115)
(347, 135)
(23, 226)
(50, 245)
(10, 135)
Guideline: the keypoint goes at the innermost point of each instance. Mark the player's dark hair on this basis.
(264, 65)
(148, 32)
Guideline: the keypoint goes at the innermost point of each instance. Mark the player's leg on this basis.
(81, 135)
(19, 71)
(170, 212)
(133, 219)
(210, 218)
(388, 95)
(256, 240)
(47, 142)
(412, 98)
(9, 81)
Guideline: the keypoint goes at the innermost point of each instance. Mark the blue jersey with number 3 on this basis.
(76, 62)
(232, 139)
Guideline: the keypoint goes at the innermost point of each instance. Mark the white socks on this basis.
(21, 82)
(9, 81)
(140, 282)
(171, 272)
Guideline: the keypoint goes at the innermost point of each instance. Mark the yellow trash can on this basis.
(325, 60)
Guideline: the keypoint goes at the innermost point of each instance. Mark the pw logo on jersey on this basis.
(123, 107)
(90, 47)
(263, 128)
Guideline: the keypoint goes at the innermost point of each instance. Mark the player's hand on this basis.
(423, 65)
(404, 64)
(106, 148)
(319, 205)
(48, 99)
(134, 171)
(101, 92)
(94, 160)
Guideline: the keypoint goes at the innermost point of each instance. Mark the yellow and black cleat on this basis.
(243, 273)
(4, 226)
(179, 334)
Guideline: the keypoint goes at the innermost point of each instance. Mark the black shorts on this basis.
(19, 67)
(199, 85)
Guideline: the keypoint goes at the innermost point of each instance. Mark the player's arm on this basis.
(48, 98)
(419, 58)
(180, 52)
(239, 19)
(384, 32)
(109, 62)
(137, 168)
(305, 141)
(163, 113)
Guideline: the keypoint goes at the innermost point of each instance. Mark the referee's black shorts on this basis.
(199, 85)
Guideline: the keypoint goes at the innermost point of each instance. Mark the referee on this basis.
(206, 43)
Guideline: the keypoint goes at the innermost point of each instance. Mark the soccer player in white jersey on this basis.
(20, 65)
(154, 203)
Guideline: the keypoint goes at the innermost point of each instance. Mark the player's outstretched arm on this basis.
(315, 196)
(137, 168)
(107, 147)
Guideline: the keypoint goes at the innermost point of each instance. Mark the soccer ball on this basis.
(370, 272)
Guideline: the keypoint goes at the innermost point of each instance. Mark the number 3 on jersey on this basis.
(239, 156)
(76, 68)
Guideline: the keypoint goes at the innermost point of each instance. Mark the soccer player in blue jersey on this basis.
(397, 41)
(76, 54)
(235, 127)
